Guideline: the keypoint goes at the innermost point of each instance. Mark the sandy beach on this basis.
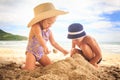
(69, 68)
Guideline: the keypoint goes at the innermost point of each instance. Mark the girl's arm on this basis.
(37, 32)
(56, 45)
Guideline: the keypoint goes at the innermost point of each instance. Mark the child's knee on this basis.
(45, 60)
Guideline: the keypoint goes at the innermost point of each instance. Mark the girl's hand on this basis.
(65, 52)
(67, 55)
(46, 50)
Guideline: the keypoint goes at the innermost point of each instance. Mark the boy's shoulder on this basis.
(87, 37)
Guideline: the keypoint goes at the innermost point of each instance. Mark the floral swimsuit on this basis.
(35, 48)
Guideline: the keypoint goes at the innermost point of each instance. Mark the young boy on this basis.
(89, 48)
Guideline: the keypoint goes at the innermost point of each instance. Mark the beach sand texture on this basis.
(71, 68)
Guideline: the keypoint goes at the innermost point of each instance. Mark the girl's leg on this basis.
(30, 62)
(45, 60)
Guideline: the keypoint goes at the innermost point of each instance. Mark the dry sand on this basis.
(71, 68)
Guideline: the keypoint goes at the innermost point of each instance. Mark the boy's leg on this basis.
(30, 62)
(87, 52)
(45, 60)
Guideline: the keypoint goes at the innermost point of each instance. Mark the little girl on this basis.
(45, 15)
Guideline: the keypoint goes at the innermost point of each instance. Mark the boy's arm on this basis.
(72, 49)
(37, 31)
(73, 45)
(56, 45)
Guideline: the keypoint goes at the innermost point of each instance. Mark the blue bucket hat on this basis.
(75, 30)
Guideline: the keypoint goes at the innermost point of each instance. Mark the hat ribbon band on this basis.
(74, 33)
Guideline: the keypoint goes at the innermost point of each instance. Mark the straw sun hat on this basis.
(75, 31)
(44, 11)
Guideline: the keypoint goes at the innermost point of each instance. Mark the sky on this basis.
(100, 18)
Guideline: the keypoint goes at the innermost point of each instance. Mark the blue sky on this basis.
(100, 18)
(113, 17)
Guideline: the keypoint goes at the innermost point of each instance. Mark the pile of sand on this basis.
(72, 68)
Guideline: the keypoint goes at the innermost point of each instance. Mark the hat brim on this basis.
(76, 35)
(46, 15)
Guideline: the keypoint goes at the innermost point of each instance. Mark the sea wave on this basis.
(105, 47)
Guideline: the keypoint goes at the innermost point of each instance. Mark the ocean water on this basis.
(13, 44)
(108, 47)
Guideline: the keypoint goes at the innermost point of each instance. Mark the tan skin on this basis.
(35, 30)
(89, 47)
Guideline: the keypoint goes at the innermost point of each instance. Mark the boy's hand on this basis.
(72, 52)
